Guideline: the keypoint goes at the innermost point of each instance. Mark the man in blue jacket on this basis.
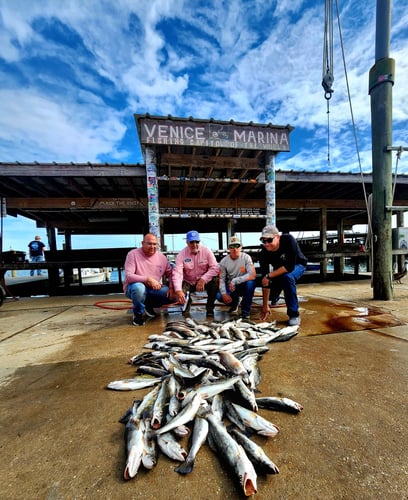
(282, 263)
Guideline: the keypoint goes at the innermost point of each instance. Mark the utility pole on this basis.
(381, 80)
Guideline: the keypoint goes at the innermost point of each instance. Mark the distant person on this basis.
(36, 252)
(282, 263)
(145, 269)
(196, 269)
(237, 279)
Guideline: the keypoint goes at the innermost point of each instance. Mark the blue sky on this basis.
(74, 72)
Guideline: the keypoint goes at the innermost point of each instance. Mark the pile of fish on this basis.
(201, 374)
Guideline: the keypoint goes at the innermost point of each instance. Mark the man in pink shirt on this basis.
(144, 270)
(196, 269)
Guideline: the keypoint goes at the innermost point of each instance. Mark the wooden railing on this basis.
(60, 265)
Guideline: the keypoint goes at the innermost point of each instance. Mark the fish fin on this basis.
(125, 418)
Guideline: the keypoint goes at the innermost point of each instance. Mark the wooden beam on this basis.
(183, 160)
(77, 203)
(73, 170)
(187, 203)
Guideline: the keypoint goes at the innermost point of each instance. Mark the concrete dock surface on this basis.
(348, 367)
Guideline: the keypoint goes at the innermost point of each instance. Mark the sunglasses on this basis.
(234, 245)
(267, 240)
(194, 241)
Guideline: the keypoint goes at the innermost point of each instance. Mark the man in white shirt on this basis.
(237, 279)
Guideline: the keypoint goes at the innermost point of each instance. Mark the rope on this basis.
(353, 121)
(366, 198)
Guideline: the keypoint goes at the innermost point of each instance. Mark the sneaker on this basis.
(210, 312)
(149, 312)
(294, 321)
(245, 316)
(138, 320)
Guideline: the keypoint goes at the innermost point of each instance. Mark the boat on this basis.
(90, 275)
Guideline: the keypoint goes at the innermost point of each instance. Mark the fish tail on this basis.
(186, 467)
(273, 469)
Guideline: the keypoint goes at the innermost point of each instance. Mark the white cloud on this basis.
(78, 132)
(75, 72)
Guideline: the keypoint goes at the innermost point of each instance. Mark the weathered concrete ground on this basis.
(61, 439)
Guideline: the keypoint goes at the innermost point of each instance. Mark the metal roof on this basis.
(195, 191)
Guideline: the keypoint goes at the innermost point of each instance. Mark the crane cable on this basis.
(327, 82)
(327, 76)
(367, 199)
(328, 79)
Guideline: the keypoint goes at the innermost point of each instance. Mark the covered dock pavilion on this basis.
(214, 176)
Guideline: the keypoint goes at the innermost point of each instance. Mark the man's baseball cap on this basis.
(193, 236)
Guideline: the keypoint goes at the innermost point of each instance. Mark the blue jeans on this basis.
(36, 258)
(142, 296)
(287, 283)
(246, 291)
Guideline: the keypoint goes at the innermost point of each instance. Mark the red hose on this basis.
(101, 303)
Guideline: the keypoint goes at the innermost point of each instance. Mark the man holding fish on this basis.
(195, 270)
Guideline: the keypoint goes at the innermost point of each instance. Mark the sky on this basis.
(74, 72)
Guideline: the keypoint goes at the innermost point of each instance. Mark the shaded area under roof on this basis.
(196, 192)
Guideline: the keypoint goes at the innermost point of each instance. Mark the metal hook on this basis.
(327, 83)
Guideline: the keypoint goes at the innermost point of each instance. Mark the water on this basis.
(114, 276)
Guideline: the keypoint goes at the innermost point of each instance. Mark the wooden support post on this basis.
(323, 241)
(270, 190)
(340, 237)
(152, 192)
(381, 80)
(400, 258)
